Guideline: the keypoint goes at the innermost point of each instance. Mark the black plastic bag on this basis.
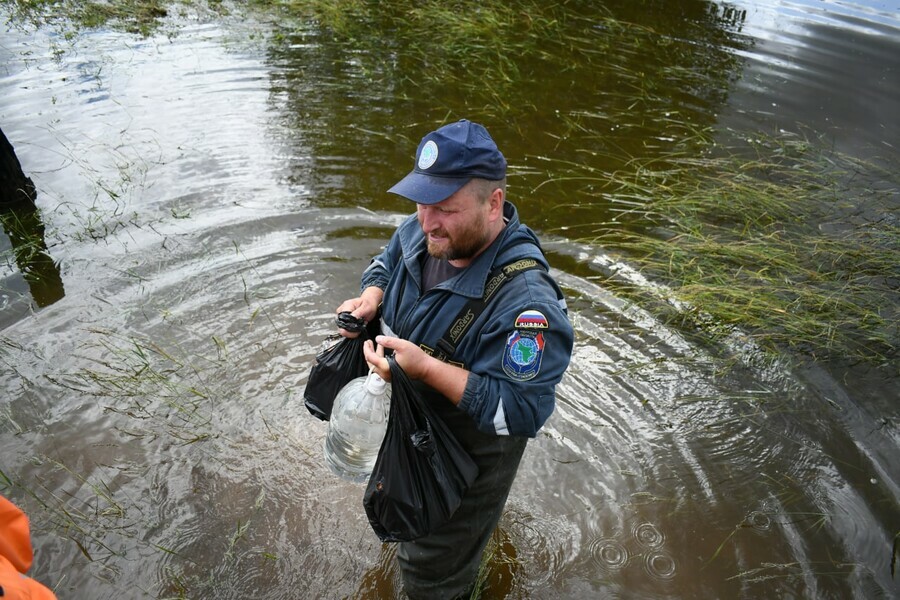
(422, 471)
(335, 367)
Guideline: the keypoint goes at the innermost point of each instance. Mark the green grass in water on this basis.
(789, 246)
(481, 43)
(136, 16)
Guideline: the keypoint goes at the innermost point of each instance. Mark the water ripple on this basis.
(648, 535)
(659, 565)
(759, 521)
(609, 554)
(547, 543)
(639, 548)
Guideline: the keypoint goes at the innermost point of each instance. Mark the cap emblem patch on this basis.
(429, 155)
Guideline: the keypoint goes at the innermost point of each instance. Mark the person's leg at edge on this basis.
(444, 564)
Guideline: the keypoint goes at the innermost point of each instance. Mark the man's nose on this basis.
(427, 219)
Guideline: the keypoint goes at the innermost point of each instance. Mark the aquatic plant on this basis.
(444, 28)
(480, 46)
(137, 16)
(785, 244)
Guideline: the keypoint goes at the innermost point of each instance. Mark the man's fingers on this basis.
(376, 360)
(386, 341)
(374, 356)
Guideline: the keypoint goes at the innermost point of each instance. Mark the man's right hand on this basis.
(364, 307)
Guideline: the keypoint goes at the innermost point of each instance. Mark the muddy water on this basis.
(209, 194)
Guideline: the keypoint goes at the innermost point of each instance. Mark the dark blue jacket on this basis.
(517, 349)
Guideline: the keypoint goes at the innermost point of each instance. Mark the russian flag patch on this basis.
(532, 319)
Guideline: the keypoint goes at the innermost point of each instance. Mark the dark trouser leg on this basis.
(444, 564)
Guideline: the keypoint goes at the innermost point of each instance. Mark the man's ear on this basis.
(496, 202)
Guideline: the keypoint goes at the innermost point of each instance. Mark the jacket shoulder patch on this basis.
(532, 319)
(523, 353)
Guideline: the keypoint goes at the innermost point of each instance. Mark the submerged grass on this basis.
(144, 391)
(446, 28)
(789, 245)
(136, 16)
(156, 391)
(475, 45)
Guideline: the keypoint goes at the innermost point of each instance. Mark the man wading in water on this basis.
(497, 387)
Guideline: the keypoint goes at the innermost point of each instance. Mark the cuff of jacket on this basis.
(472, 404)
(469, 401)
(373, 281)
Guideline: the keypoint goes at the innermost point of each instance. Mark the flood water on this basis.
(210, 193)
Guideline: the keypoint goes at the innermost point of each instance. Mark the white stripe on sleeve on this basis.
(500, 420)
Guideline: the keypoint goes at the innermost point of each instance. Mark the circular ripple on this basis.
(659, 565)
(547, 543)
(759, 521)
(609, 554)
(648, 535)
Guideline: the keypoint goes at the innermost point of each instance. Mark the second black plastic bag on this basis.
(336, 366)
(421, 473)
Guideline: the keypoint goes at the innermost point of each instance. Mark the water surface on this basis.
(208, 196)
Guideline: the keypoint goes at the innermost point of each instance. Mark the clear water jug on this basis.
(357, 427)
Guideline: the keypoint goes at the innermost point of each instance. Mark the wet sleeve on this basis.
(381, 267)
(523, 354)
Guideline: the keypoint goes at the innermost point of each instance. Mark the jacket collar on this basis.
(471, 281)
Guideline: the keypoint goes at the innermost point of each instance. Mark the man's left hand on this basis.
(448, 379)
(410, 357)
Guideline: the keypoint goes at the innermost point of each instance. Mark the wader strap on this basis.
(499, 277)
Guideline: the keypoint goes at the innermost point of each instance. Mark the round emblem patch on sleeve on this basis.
(522, 356)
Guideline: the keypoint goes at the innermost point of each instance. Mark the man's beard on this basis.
(464, 246)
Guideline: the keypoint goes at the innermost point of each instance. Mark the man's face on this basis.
(456, 228)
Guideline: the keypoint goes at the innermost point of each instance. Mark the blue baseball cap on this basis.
(447, 159)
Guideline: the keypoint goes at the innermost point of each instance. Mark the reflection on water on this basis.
(21, 221)
(827, 67)
(25, 230)
(212, 199)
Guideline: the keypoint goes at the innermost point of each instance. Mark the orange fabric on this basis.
(16, 556)
(15, 539)
(16, 586)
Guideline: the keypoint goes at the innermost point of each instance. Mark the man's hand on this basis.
(364, 307)
(447, 379)
(410, 357)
